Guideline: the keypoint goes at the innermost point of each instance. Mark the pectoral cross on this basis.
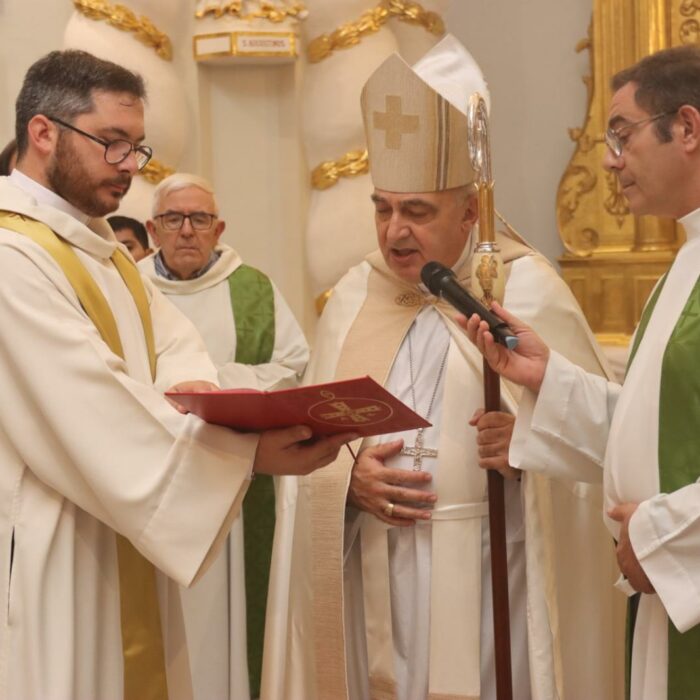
(417, 451)
(395, 123)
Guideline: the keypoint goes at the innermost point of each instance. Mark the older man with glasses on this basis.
(255, 342)
(641, 439)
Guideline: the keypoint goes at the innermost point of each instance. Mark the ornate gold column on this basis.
(612, 258)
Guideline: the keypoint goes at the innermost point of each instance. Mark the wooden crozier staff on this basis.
(488, 284)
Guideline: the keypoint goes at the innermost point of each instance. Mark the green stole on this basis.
(253, 304)
(679, 447)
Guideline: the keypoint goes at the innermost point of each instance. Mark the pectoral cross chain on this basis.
(417, 451)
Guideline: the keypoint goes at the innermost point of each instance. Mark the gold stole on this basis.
(142, 636)
(370, 348)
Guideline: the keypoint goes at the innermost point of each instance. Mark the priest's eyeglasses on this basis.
(616, 139)
(174, 220)
(116, 151)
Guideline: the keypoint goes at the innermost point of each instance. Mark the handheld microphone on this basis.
(441, 282)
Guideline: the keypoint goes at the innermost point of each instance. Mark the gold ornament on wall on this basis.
(350, 34)
(352, 164)
(155, 172)
(612, 258)
(122, 18)
(275, 12)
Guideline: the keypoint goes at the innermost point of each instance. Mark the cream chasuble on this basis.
(582, 424)
(215, 609)
(89, 448)
(316, 572)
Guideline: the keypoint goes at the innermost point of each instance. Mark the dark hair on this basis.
(665, 81)
(62, 83)
(6, 156)
(119, 222)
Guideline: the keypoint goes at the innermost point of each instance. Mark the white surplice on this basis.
(580, 426)
(206, 301)
(87, 448)
(215, 608)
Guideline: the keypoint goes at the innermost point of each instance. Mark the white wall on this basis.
(28, 30)
(253, 157)
(526, 50)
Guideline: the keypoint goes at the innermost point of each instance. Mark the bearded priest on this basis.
(388, 554)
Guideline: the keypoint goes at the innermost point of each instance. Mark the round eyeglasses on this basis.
(116, 151)
(615, 139)
(174, 220)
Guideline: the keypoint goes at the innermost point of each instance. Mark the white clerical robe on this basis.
(579, 423)
(215, 609)
(564, 641)
(89, 448)
(206, 301)
(410, 549)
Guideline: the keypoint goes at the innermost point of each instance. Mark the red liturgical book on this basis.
(354, 405)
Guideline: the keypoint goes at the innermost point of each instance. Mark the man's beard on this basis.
(69, 179)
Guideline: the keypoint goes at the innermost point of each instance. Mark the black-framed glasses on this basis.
(116, 151)
(174, 220)
(615, 139)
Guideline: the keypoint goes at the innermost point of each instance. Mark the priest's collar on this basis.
(47, 197)
(162, 269)
(691, 224)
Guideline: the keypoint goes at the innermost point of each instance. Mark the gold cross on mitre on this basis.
(395, 123)
(355, 415)
(416, 139)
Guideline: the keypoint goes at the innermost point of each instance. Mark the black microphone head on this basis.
(432, 275)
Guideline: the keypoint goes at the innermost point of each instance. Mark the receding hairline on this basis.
(181, 181)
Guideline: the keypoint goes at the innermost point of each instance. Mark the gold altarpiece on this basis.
(612, 258)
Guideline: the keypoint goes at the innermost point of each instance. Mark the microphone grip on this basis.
(468, 304)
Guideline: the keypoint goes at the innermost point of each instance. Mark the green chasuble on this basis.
(252, 300)
(679, 464)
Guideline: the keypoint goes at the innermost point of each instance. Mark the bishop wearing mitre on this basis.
(381, 572)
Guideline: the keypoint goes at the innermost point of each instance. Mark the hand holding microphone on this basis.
(441, 282)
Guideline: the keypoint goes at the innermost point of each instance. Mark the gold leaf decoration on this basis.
(352, 164)
(269, 11)
(370, 22)
(122, 18)
(155, 171)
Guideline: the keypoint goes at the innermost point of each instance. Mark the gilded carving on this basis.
(585, 241)
(122, 18)
(689, 32)
(604, 241)
(155, 171)
(248, 10)
(616, 202)
(689, 7)
(370, 22)
(577, 181)
(585, 141)
(352, 164)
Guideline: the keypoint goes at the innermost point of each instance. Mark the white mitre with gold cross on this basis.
(416, 119)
